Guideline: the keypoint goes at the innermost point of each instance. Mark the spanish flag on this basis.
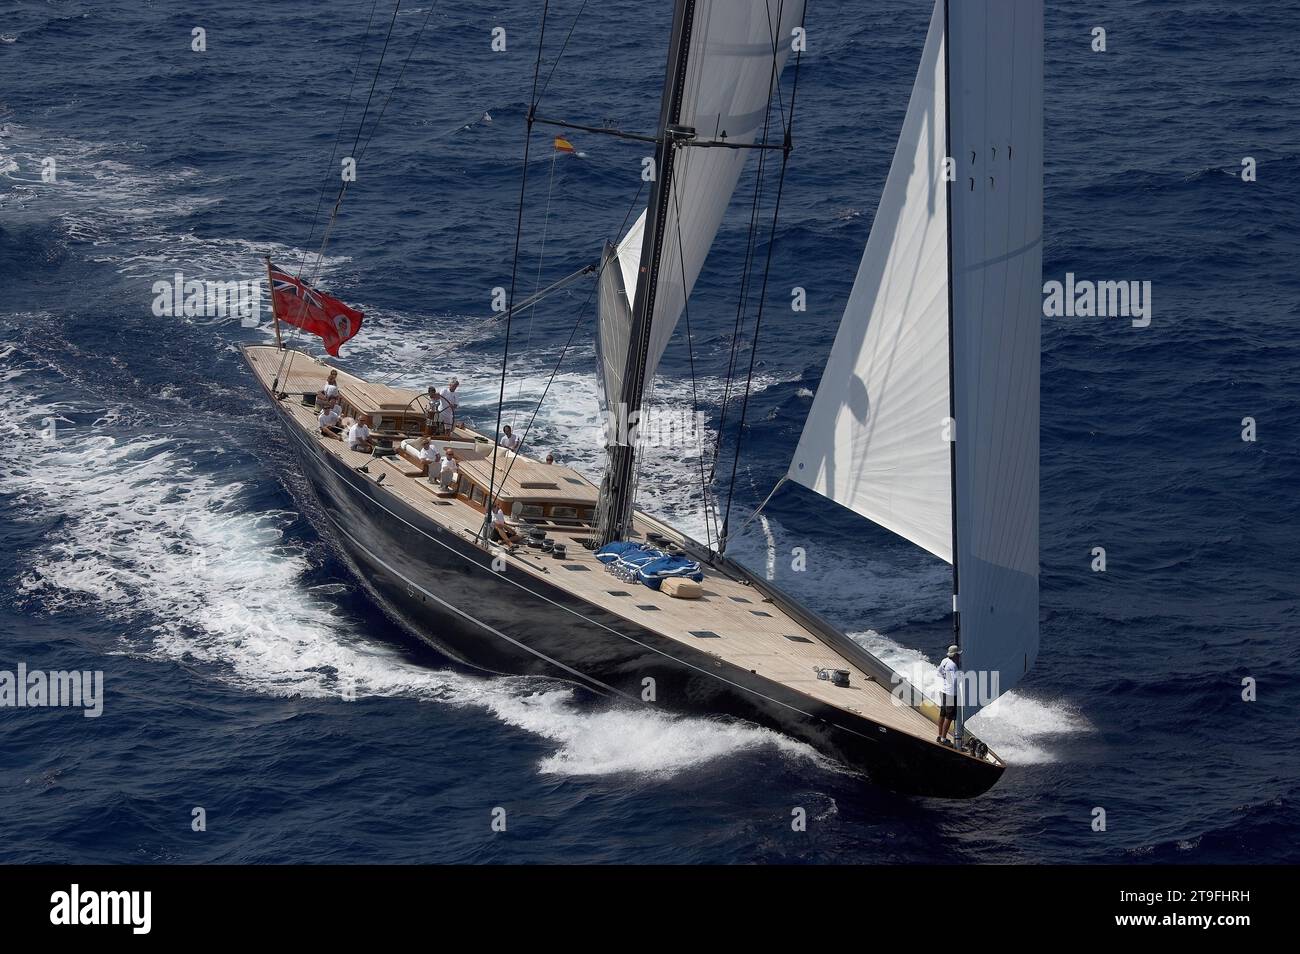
(563, 145)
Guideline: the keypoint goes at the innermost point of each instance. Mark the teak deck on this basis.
(740, 625)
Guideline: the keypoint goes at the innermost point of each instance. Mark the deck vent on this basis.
(574, 480)
(761, 613)
(798, 639)
(740, 599)
(705, 634)
(648, 607)
(618, 592)
(578, 567)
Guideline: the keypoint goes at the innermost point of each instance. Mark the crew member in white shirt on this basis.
(433, 413)
(510, 440)
(330, 392)
(329, 420)
(450, 404)
(505, 533)
(359, 435)
(429, 456)
(949, 673)
(449, 471)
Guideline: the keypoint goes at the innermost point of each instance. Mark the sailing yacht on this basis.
(925, 422)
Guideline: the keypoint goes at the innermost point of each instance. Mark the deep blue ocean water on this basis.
(157, 538)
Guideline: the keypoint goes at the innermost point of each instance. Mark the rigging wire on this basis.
(742, 302)
(758, 511)
(762, 298)
(573, 331)
(564, 46)
(523, 438)
(286, 357)
(690, 351)
(551, 183)
(338, 137)
(392, 90)
(514, 264)
(373, 129)
(343, 188)
(325, 179)
(541, 258)
(528, 302)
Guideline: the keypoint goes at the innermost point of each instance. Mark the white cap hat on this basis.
(954, 650)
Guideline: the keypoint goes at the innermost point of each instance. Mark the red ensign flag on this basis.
(298, 304)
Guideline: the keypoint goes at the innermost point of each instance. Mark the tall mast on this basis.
(620, 476)
(952, 382)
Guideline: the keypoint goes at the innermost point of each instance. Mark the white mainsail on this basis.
(876, 438)
(730, 75)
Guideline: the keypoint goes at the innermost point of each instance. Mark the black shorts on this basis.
(948, 707)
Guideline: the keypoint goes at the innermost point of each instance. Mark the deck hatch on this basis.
(797, 639)
(618, 592)
(741, 599)
(648, 607)
(705, 634)
(578, 567)
(761, 613)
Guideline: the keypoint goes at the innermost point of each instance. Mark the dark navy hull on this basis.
(442, 586)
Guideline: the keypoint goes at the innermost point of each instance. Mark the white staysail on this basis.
(995, 81)
(876, 438)
(730, 75)
(965, 254)
(613, 326)
(618, 271)
(629, 255)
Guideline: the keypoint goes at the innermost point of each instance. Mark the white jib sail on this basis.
(876, 437)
